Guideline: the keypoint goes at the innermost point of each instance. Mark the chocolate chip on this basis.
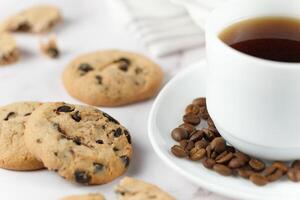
(123, 67)
(111, 119)
(116, 149)
(27, 114)
(123, 61)
(77, 140)
(98, 167)
(23, 27)
(99, 79)
(138, 70)
(59, 129)
(127, 136)
(53, 52)
(39, 141)
(65, 109)
(179, 134)
(82, 177)
(125, 160)
(85, 68)
(76, 116)
(9, 115)
(99, 141)
(118, 132)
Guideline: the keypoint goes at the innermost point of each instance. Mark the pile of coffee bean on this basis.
(208, 146)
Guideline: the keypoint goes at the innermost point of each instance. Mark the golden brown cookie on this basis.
(8, 49)
(14, 154)
(112, 78)
(81, 143)
(96, 196)
(36, 19)
(134, 189)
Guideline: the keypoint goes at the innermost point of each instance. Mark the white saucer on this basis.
(166, 114)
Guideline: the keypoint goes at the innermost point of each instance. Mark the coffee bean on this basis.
(191, 119)
(225, 158)
(294, 174)
(9, 115)
(203, 114)
(296, 164)
(196, 135)
(85, 68)
(218, 144)
(210, 123)
(188, 127)
(281, 166)
(222, 169)
(230, 148)
(178, 151)
(197, 154)
(179, 134)
(209, 135)
(200, 101)
(258, 179)
(194, 109)
(183, 143)
(127, 134)
(82, 177)
(110, 118)
(269, 170)
(125, 160)
(208, 151)
(98, 167)
(64, 109)
(256, 164)
(276, 175)
(99, 79)
(201, 144)
(242, 156)
(76, 116)
(236, 163)
(189, 145)
(208, 163)
(245, 173)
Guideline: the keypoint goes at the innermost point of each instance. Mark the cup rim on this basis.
(209, 30)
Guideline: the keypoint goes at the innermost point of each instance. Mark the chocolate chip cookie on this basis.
(133, 189)
(36, 19)
(13, 153)
(8, 49)
(112, 78)
(96, 196)
(81, 143)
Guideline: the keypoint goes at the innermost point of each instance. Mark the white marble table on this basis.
(83, 32)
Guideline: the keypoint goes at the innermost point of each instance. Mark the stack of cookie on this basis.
(81, 143)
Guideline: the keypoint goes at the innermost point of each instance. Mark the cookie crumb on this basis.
(50, 48)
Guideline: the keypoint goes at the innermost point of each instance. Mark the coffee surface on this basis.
(271, 38)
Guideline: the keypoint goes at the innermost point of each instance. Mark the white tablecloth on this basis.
(88, 26)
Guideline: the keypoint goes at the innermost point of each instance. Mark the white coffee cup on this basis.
(254, 103)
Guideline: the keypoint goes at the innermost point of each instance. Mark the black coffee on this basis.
(272, 38)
